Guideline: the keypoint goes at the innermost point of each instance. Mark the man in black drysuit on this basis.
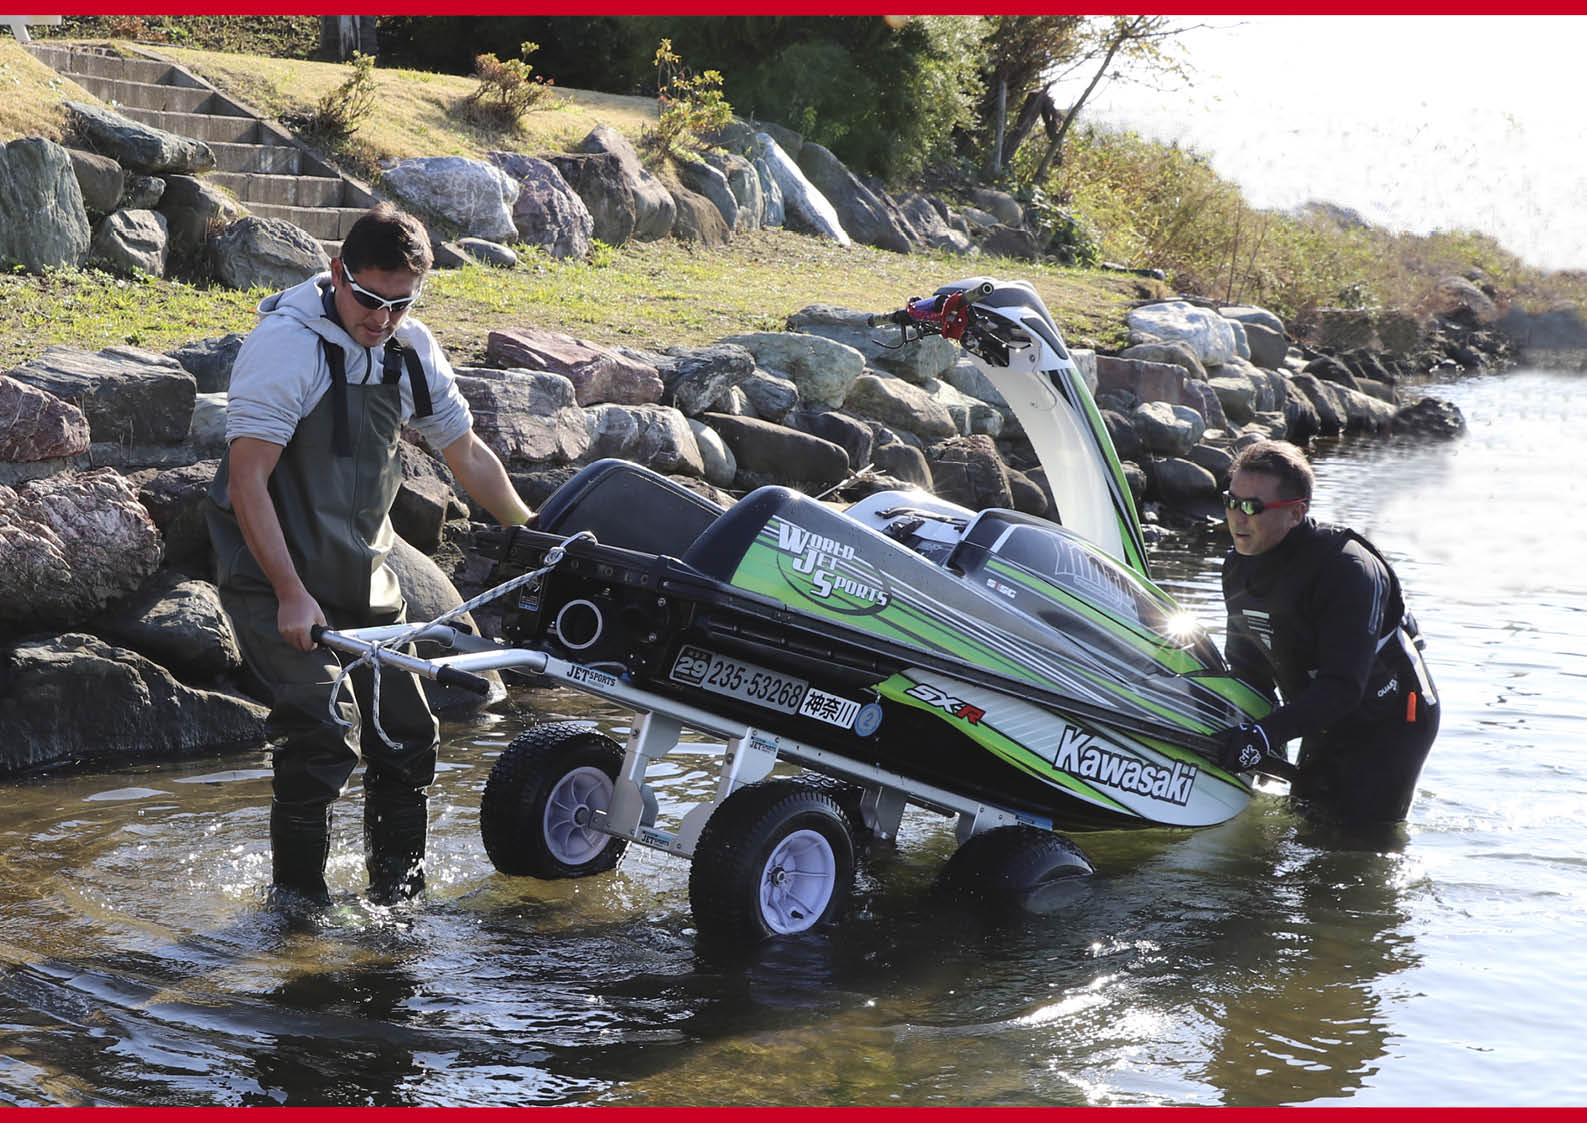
(1316, 612)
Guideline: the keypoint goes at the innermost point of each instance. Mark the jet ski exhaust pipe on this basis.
(579, 625)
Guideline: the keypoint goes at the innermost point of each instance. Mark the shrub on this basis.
(692, 106)
(507, 90)
(338, 114)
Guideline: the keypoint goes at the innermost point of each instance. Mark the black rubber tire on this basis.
(1006, 865)
(512, 810)
(847, 796)
(732, 860)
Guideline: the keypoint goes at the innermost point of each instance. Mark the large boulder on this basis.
(139, 147)
(969, 414)
(179, 623)
(806, 210)
(930, 227)
(42, 221)
(70, 544)
(598, 178)
(209, 361)
(721, 466)
(968, 471)
(901, 405)
(1211, 336)
(864, 216)
(696, 218)
(471, 195)
(267, 253)
(101, 180)
(598, 374)
(657, 437)
(176, 499)
(774, 211)
(525, 417)
(851, 434)
(547, 211)
(1457, 296)
(1177, 352)
(39, 425)
(1010, 241)
(916, 361)
(654, 210)
(1323, 396)
(822, 368)
(696, 377)
(193, 208)
(999, 204)
(771, 396)
(131, 242)
(1168, 430)
(138, 708)
(744, 183)
(767, 453)
(1145, 381)
(129, 396)
(705, 179)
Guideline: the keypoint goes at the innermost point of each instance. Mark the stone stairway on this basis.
(271, 173)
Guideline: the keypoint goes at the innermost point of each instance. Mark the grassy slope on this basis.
(643, 294)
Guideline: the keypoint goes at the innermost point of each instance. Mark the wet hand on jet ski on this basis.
(1245, 747)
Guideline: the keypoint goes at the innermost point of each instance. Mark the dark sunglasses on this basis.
(1254, 506)
(373, 300)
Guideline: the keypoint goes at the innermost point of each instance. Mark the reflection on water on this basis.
(1258, 962)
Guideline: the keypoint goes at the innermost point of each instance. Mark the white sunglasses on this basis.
(374, 301)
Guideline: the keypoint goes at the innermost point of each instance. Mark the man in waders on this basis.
(319, 395)
(1317, 612)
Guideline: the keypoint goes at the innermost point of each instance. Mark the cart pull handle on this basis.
(446, 676)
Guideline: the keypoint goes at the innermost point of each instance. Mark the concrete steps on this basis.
(270, 172)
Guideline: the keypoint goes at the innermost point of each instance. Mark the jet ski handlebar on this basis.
(945, 314)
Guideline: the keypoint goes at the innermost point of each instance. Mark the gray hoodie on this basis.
(280, 374)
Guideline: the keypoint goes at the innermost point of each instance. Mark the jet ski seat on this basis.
(630, 507)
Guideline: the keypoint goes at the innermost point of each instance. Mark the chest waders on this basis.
(332, 490)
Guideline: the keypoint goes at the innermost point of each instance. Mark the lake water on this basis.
(1259, 962)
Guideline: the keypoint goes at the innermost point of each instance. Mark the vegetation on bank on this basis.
(1110, 197)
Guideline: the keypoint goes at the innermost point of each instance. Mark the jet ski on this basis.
(1022, 674)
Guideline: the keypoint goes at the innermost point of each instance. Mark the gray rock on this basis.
(175, 499)
(599, 180)
(547, 213)
(489, 253)
(101, 180)
(774, 211)
(720, 463)
(1185, 486)
(969, 414)
(895, 456)
(703, 179)
(1249, 314)
(1204, 400)
(864, 217)
(267, 253)
(1430, 417)
(1010, 241)
(900, 405)
(1237, 397)
(917, 361)
(39, 425)
(766, 452)
(999, 204)
(1268, 347)
(1215, 460)
(525, 417)
(42, 221)
(139, 710)
(129, 396)
(805, 209)
(1322, 396)
(139, 147)
(471, 195)
(598, 374)
(772, 396)
(131, 241)
(142, 192)
(696, 218)
(695, 378)
(209, 361)
(744, 183)
(654, 210)
(822, 368)
(207, 433)
(178, 623)
(192, 209)
(968, 471)
(656, 436)
(70, 544)
(927, 222)
(426, 499)
(851, 434)
(1176, 351)
(1168, 430)
(1209, 335)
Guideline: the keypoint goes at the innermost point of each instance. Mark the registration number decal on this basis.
(734, 678)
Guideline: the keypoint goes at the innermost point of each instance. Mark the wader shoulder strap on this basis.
(396, 357)
(341, 436)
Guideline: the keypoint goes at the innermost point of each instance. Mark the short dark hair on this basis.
(1281, 460)
(386, 238)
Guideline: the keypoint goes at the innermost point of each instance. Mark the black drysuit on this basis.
(1320, 617)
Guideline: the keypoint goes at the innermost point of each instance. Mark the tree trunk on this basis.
(994, 160)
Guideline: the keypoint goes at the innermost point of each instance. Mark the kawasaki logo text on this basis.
(1080, 754)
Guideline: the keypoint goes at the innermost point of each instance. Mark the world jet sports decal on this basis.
(833, 571)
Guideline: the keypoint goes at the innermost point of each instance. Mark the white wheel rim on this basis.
(569, 836)
(797, 882)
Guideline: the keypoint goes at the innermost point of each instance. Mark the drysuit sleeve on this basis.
(1346, 602)
(1246, 658)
